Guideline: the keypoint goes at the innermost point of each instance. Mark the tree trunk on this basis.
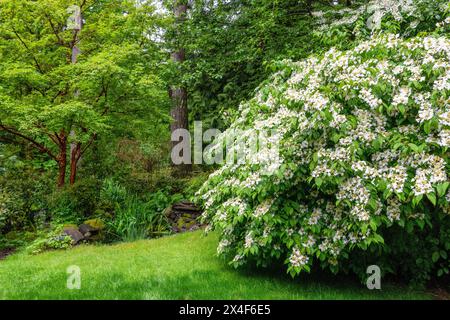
(62, 160)
(178, 94)
(309, 6)
(75, 154)
(75, 147)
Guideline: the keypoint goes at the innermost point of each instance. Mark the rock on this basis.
(183, 216)
(74, 233)
(93, 229)
(86, 228)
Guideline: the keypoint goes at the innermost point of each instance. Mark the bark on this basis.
(62, 159)
(309, 6)
(75, 155)
(178, 94)
(75, 148)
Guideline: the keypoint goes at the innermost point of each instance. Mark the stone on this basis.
(86, 228)
(74, 233)
(183, 216)
(93, 229)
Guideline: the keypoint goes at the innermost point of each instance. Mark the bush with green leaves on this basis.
(135, 219)
(363, 137)
(52, 239)
(344, 27)
(75, 203)
(23, 191)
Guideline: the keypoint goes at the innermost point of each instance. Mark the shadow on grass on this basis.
(236, 284)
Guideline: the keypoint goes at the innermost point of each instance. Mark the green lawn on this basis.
(177, 267)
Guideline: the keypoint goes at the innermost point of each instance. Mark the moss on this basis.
(69, 226)
(96, 223)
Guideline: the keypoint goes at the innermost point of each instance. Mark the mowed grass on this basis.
(182, 266)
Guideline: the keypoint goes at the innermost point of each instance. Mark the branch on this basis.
(55, 31)
(54, 138)
(26, 47)
(93, 137)
(38, 145)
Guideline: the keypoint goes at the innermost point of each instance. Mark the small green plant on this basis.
(135, 219)
(112, 193)
(49, 240)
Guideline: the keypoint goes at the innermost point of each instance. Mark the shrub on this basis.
(75, 203)
(23, 193)
(345, 27)
(52, 239)
(10, 216)
(363, 139)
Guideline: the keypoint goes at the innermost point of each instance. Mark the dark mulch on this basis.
(6, 252)
(183, 216)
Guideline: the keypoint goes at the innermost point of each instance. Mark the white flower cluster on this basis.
(354, 190)
(376, 10)
(249, 241)
(263, 208)
(236, 203)
(222, 245)
(297, 259)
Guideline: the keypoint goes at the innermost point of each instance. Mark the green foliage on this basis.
(135, 219)
(10, 216)
(229, 45)
(23, 191)
(49, 102)
(49, 240)
(75, 203)
(345, 27)
(112, 193)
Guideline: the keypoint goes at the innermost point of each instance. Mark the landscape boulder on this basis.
(74, 233)
(92, 229)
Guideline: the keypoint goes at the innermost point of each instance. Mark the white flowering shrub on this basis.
(363, 138)
(341, 27)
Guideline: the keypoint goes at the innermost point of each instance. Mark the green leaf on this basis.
(442, 188)
(318, 182)
(432, 198)
(435, 256)
(416, 200)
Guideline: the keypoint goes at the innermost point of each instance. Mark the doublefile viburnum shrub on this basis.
(411, 13)
(359, 145)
